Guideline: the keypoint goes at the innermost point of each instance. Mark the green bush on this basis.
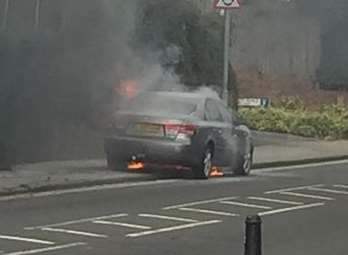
(290, 116)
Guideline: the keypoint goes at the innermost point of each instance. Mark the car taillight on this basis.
(173, 130)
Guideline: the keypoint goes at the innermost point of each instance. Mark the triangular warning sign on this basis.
(227, 4)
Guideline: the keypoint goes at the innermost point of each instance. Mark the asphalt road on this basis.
(304, 211)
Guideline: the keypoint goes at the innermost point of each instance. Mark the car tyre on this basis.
(202, 170)
(245, 163)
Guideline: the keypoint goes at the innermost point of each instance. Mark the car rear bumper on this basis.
(126, 149)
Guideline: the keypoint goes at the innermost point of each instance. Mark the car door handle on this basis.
(217, 130)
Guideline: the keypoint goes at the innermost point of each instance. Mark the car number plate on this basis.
(147, 129)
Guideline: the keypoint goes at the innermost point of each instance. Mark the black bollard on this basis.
(252, 245)
(5, 157)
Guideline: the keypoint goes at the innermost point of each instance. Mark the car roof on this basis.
(189, 95)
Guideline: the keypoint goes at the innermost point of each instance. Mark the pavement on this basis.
(303, 209)
(271, 150)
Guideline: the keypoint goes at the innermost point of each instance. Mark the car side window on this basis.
(212, 112)
(227, 116)
(236, 118)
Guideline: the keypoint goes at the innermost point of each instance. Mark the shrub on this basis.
(290, 116)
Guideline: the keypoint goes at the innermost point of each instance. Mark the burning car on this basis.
(183, 130)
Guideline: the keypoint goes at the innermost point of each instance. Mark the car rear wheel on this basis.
(202, 171)
(245, 163)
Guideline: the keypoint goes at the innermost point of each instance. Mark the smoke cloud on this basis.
(60, 78)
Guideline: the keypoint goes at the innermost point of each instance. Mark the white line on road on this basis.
(170, 229)
(312, 165)
(209, 212)
(121, 224)
(292, 189)
(306, 195)
(341, 186)
(290, 209)
(164, 217)
(25, 239)
(149, 183)
(78, 221)
(53, 248)
(85, 189)
(74, 232)
(329, 191)
(198, 203)
(245, 205)
(275, 200)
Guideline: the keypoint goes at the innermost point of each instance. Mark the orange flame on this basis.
(216, 172)
(136, 166)
(128, 88)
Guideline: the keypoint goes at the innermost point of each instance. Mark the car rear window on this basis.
(162, 104)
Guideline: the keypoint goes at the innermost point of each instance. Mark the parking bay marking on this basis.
(197, 203)
(245, 205)
(25, 239)
(275, 200)
(170, 229)
(329, 190)
(292, 189)
(341, 186)
(220, 213)
(74, 232)
(42, 250)
(282, 210)
(296, 194)
(164, 217)
(121, 224)
(78, 221)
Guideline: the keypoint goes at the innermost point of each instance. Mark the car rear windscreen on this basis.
(161, 104)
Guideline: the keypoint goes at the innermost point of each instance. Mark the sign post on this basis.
(5, 18)
(226, 5)
(37, 13)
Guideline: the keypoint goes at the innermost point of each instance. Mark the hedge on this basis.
(291, 116)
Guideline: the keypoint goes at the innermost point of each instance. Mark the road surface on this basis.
(304, 211)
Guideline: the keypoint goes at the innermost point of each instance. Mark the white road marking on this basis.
(170, 229)
(121, 224)
(164, 217)
(52, 248)
(245, 205)
(85, 189)
(329, 191)
(306, 195)
(284, 168)
(275, 200)
(25, 239)
(149, 183)
(282, 210)
(78, 221)
(209, 212)
(341, 186)
(293, 188)
(197, 203)
(74, 232)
